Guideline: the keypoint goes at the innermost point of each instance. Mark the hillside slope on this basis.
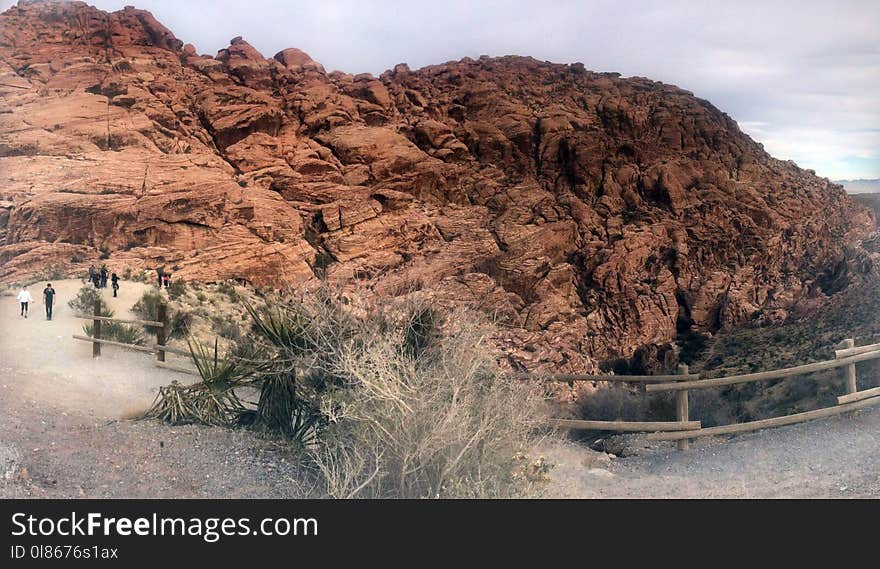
(594, 214)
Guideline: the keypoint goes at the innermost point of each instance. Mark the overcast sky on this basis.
(802, 77)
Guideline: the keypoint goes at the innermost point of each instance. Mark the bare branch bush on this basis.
(440, 421)
(397, 399)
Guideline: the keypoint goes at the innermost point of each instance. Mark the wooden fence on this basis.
(683, 429)
(161, 326)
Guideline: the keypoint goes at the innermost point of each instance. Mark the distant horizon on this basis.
(802, 88)
(860, 186)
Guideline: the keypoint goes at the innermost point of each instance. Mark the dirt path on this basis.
(61, 436)
(831, 458)
(52, 368)
(61, 433)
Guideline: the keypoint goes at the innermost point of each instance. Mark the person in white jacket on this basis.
(24, 297)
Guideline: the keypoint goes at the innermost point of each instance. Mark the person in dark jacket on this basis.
(49, 299)
(104, 274)
(114, 278)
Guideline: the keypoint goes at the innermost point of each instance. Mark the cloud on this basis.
(801, 76)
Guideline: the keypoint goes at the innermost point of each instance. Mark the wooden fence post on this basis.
(850, 370)
(681, 406)
(160, 331)
(96, 329)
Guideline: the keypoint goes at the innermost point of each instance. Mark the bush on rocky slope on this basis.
(399, 401)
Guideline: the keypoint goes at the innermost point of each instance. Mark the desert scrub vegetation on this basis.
(211, 401)
(53, 273)
(84, 302)
(424, 413)
(147, 308)
(177, 289)
(401, 401)
(228, 288)
(117, 331)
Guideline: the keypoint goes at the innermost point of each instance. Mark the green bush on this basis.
(84, 302)
(227, 288)
(401, 403)
(147, 308)
(118, 332)
(177, 289)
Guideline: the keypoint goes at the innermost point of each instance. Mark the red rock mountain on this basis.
(598, 214)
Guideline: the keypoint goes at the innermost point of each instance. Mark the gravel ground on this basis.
(66, 456)
(63, 433)
(831, 458)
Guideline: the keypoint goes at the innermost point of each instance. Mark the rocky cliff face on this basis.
(596, 214)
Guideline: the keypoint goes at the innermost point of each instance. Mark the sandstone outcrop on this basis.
(593, 214)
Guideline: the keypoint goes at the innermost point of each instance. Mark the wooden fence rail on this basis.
(629, 426)
(101, 341)
(849, 350)
(765, 375)
(97, 341)
(767, 423)
(171, 350)
(858, 395)
(150, 323)
(566, 378)
(682, 429)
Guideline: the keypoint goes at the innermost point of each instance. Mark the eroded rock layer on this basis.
(594, 214)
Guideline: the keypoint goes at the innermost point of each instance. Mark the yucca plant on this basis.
(286, 329)
(299, 338)
(213, 400)
(221, 372)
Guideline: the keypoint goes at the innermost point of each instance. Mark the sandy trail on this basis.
(61, 436)
(43, 364)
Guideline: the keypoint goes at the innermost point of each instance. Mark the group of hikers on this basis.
(25, 298)
(98, 277)
(164, 278)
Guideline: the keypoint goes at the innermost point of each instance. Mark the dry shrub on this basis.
(147, 308)
(84, 301)
(117, 331)
(401, 401)
(426, 419)
(200, 403)
(622, 402)
(211, 401)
